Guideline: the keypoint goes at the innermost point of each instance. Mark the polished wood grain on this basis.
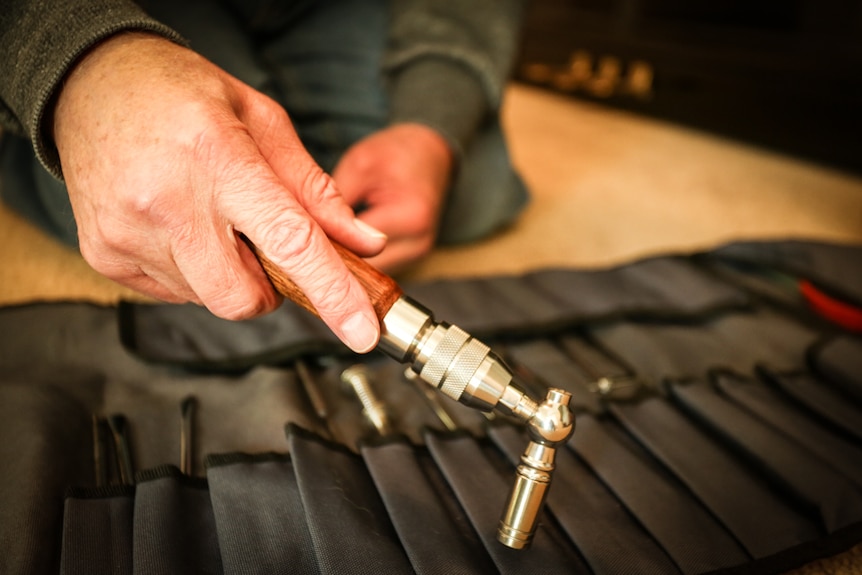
(382, 289)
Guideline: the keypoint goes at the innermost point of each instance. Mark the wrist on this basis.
(432, 143)
(95, 68)
(443, 95)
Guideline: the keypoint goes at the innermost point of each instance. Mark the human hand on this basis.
(400, 174)
(167, 158)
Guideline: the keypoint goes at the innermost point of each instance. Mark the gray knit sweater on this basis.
(464, 46)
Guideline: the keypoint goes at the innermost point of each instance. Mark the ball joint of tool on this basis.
(550, 426)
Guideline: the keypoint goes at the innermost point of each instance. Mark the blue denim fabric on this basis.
(321, 61)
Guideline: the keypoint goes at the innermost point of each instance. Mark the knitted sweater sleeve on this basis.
(447, 62)
(40, 41)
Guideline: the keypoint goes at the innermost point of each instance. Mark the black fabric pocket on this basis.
(174, 529)
(424, 512)
(820, 398)
(97, 532)
(190, 336)
(839, 361)
(759, 519)
(259, 516)
(485, 306)
(347, 521)
(482, 491)
(735, 341)
(610, 540)
(686, 531)
(772, 407)
(46, 447)
(826, 495)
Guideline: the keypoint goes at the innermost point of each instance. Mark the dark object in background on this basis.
(784, 74)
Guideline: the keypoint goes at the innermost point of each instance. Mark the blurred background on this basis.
(641, 127)
(786, 74)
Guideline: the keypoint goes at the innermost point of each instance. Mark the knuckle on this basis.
(202, 142)
(317, 184)
(290, 242)
(207, 136)
(236, 309)
(98, 254)
(93, 255)
(242, 303)
(146, 207)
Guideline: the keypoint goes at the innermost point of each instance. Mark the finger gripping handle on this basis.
(382, 289)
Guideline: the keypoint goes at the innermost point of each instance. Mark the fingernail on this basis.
(368, 230)
(360, 332)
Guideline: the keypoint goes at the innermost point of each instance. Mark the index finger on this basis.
(289, 237)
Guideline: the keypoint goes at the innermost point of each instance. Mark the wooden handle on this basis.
(381, 288)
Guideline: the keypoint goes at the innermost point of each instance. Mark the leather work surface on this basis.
(718, 429)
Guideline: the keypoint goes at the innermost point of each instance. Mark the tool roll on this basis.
(718, 428)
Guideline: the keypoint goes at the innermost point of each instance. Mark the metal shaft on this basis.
(120, 432)
(358, 378)
(550, 426)
(431, 399)
(520, 517)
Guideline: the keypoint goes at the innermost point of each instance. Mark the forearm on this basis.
(40, 42)
(448, 61)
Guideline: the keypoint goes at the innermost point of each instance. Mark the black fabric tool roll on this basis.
(717, 430)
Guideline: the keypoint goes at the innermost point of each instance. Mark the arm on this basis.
(448, 62)
(40, 41)
(446, 66)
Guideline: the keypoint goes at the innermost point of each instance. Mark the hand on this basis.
(167, 158)
(400, 174)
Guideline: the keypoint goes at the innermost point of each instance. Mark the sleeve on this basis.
(445, 51)
(40, 41)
